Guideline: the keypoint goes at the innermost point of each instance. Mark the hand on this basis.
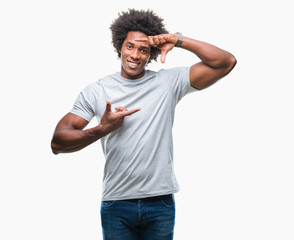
(111, 121)
(164, 42)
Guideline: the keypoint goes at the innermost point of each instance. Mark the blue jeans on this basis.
(139, 219)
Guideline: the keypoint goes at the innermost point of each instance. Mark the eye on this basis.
(144, 50)
(129, 46)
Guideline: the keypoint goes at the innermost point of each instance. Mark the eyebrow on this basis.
(133, 44)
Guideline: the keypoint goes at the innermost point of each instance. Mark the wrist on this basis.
(180, 39)
(97, 132)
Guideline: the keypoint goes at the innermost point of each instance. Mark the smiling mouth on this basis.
(133, 64)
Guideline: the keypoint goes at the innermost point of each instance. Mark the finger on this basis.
(151, 41)
(157, 40)
(160, 40)
(130, 112)
(121, 109)
(163, 56)
(141, 39)
(108, 106)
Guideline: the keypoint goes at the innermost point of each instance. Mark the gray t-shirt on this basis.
(139, 155)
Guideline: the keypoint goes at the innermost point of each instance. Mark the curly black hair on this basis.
(133, 20)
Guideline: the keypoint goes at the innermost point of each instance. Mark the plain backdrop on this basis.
(233, 141)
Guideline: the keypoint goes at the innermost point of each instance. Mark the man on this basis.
(136, 135)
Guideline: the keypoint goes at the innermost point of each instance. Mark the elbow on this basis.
(232, 61)
(55, 148)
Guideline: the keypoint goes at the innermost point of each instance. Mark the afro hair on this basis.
(133, 20)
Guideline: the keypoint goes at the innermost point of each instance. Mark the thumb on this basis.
(108, 106)
(163, 56)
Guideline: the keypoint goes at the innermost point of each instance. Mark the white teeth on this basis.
(133, 64)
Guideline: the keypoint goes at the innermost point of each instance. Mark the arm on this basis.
(69, 135)
(215, 62)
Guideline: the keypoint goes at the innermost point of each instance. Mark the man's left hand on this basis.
(164, 42)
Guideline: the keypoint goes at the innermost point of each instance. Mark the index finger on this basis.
(141, 40)
(129, 112)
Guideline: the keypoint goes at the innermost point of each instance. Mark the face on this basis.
(134, 56)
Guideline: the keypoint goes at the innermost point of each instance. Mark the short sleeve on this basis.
(83, 107)
(179, 81)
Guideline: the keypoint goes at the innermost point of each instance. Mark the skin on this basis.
(215, 62)
(70, 136)
(134, 55)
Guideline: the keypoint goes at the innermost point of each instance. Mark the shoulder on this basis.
(175, 74)
(97, 85)
(174, 70)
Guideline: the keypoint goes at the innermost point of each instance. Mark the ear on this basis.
(148, 60)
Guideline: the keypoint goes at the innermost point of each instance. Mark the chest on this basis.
(150, 96)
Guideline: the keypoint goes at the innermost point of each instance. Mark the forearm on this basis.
(68, 140)
(209, 54)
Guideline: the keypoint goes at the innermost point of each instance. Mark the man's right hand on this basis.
(111, 121)
(69, 135)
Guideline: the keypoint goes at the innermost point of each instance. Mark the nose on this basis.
(135, 54)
